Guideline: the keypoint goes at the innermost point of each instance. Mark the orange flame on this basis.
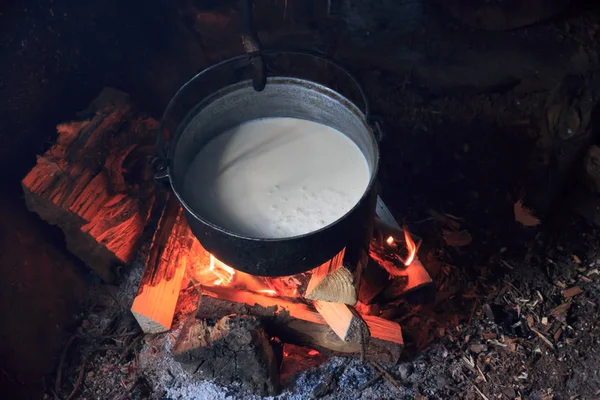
(390, 240)
(224, 273)
(410, 246)
(313, 353)
(213, 272)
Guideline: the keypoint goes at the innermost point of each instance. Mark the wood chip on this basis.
(524, 215)
(544, 338)
(560, 312)
(530, 321)
(457, 238)
(572, 292)
(558, 334)
(576, 259)
(477, 348)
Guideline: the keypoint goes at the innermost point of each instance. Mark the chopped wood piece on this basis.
(298, 323)
(236, 349)
(457, 238)
(154, 305)
(374, 280)
(541, 336)
(344, 321)
(572, 292)
(396, 288)
(560, 312)
(415, 273)
(332, 281)
(558, 334)
(417, 276)
(95, 182)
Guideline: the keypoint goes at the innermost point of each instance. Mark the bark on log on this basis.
(95, 182)
(300, 324)
(236, 349)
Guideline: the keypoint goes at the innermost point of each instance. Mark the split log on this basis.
(415, 274)
(236, 349)
(169, 254)
(95, 182)
(344, 321)
(332, 281)
(300, 324)
(374, 280)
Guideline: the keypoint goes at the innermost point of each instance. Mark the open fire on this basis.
(332, 309)
(217, 273)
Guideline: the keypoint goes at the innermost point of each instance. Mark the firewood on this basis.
(300, 324)
(413, 276)
(374, 280)
(85, 182)
(236, 349)
(344, 321)
(332, 281)
(154, 305)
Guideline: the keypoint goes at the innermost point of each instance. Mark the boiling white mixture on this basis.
(277, 178)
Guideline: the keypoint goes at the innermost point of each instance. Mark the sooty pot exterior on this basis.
(282, 97)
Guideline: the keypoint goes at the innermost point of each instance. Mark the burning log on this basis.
(235, 349)
(85, 182)
(413, 275)
(154, 305)
(297, 323)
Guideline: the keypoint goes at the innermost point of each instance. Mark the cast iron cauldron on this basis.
(196, 120)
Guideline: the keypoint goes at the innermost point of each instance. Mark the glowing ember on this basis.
(313, 353)
(390, 240)
(268, 291)
(410, 246)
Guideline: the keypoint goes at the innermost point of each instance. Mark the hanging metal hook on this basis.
(252, 45)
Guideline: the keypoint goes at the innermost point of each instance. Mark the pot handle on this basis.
(376, 124)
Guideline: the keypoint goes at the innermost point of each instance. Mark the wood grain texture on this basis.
(167, 260)
(332, 281)
(95, 182)
(344, 320)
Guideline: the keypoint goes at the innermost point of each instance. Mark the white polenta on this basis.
(276, 178)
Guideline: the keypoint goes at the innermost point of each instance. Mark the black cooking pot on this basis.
(192, 119)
